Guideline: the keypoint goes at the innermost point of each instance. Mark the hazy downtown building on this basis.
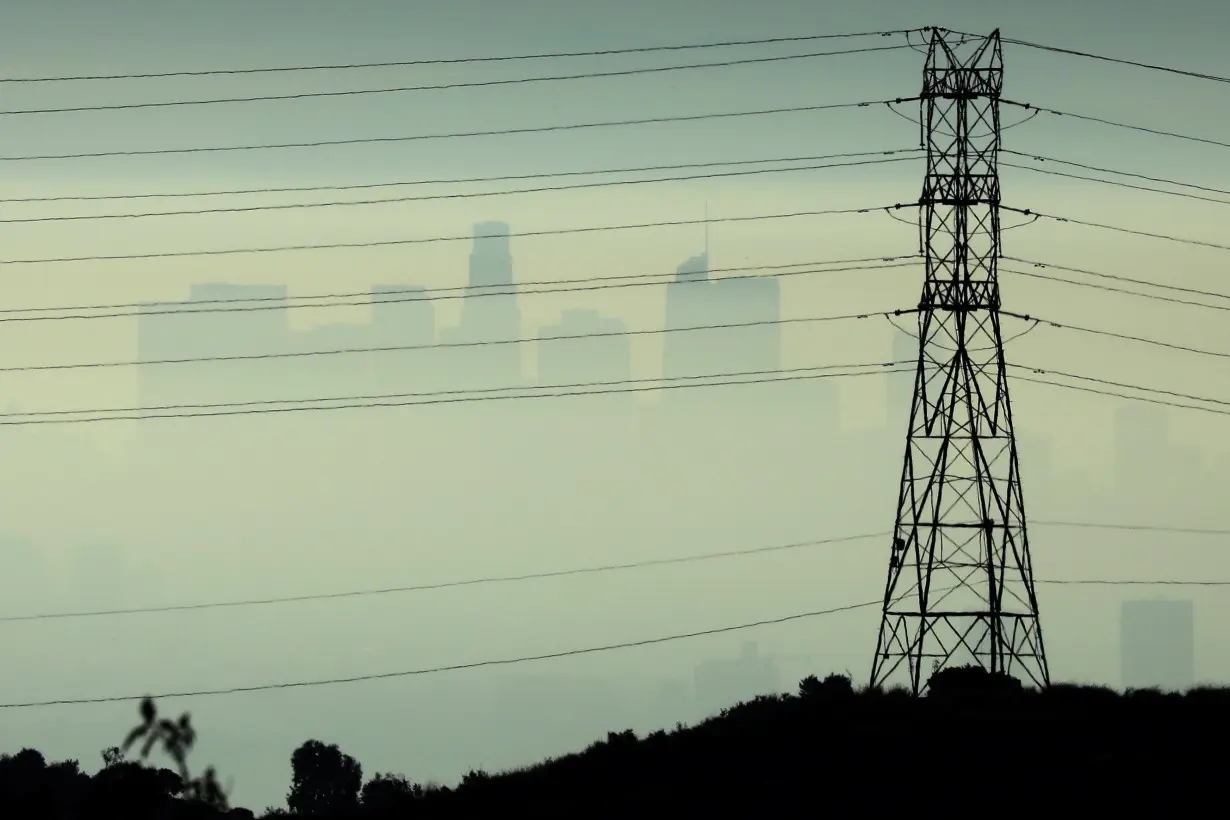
(489, 314)
(695, 300)
(605, 356)
(202, 327)
(1141, 447)
(403, 316)
(1157, 644)
(725, 682)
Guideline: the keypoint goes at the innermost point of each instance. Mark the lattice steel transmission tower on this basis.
(960, 584)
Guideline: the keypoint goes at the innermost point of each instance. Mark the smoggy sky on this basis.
(58, 38)
(261, 525)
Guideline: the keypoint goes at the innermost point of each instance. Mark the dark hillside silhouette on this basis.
(975, 740)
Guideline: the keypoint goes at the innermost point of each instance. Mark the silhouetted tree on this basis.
(323, 779)
(386, 792)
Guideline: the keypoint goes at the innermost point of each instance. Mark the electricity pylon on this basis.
(960, 586)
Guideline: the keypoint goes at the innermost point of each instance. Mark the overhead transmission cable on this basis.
(1115, 124)
(1128, 396)
(477, 581)
(1116, 183)
(1155, 390)
(1115, 277)
(549, 55)
(431, 239)
(1047, 277)
(463, 666)
(503, 81)
(368, 299)
(1117, 229)
(446, 397)
(462, 195)
(1118, 60)
(458, 667)
(1115, 171)
(453, 180)
(1113, 335)
(599, 569)
(541, 129)
(472, 392)
(296, 354)
(262, 407)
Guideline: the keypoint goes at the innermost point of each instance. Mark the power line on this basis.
(541, 129)
(512, 394)
(456, 195)
(1109, 289)
(503, 579)
(424, 240)
(1117, 229)
(1113, 123)
(1118, 60)
(478, 391)
(1146, 282)
(1144, 399)
(1163, 180)
(455, 667)
(464, 666)
(587, 75)
(1132, 527)
(295, 354)
(490, 579)
(578, 285)
(1115, 183)
(1046, 372)
(1124, 336)
(454, 180)
(461, 60)
(1143, 582)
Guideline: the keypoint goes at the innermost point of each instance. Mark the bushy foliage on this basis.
(324, 780)
(831, 747)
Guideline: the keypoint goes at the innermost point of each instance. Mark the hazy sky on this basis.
(342, 506)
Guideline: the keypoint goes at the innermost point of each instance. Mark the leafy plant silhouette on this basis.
(177, 738)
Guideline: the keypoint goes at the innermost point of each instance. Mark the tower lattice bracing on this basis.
(960, 586)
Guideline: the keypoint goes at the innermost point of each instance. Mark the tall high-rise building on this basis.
(695, 300)
(1157, 644)
(489, 314)
(604, 356)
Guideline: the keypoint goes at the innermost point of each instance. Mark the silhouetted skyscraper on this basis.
(489, 314)
(1157, 644)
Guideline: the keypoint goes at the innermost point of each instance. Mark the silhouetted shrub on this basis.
(833, 686)
(971, 682)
